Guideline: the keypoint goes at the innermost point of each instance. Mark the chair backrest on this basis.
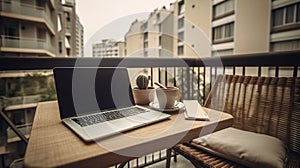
(265, 105)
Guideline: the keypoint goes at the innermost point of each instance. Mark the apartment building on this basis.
(166, 36)
(182, 30)
(192, 24)
(79, 38)
(285, 25)
(37, 28)
(134, 40)
(236, 29)
(274, 26)
(109, 48)
(67, 29)
(225, 27)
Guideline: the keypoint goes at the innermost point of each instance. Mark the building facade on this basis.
(225, 27)
(134, 40)
(37, 28)
(109, 48)
(285, 25)
(79, 38)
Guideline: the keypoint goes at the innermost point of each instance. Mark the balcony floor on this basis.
(181, 163)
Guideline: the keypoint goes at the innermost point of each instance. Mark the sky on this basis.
(112, 18)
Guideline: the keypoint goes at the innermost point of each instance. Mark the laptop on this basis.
(98, 102)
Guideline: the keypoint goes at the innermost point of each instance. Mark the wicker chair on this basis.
(265, 105)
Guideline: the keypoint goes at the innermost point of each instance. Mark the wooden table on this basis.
(52, 144)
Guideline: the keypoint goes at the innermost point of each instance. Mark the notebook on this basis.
(98, 102)
(194, 111)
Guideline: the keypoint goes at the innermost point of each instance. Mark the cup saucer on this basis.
(178, 106)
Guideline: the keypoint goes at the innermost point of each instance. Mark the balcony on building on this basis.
(27, 12)
(194, 78)
(26, 45)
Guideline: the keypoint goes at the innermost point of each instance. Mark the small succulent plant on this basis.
(142, 81)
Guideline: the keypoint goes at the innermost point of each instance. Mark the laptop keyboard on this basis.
(107, 116)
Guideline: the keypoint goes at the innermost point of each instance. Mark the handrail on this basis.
(289, 58)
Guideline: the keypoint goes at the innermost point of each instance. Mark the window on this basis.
(11, 32)
(181, 8)
(217, 33)
(286, 16)
(145, 36)
(160, 28)
(289, 17)
(298, 13)
(180, 50)
(181, 23)
(68, 17)
(158, 16)
(60, 46)
(41, 34)
(144, 26)
(229, 30)
(278, 17)
(159, 41)
(285, 45)
(145, 44)
(224, 32)
(180, 36)
(222, 52)
(59, 22)
(68, 51)
(223, 9)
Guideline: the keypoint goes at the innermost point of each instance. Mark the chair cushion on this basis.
(247, 148)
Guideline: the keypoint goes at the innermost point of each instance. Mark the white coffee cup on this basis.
(167, 97)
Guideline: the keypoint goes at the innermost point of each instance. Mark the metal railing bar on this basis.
(193, 80)
(233, 70)
(151, 76)
(13, 127)
(153, 156)
(188, 82)
(259, 71)
(166, 76)
(295, 73)
(159, 77)
(182, 86)
(210, 77)
(159, 155)
(216, 73)
(198, 84)
(204, 85)
(276, 71)
(175, 76)
(258, 59)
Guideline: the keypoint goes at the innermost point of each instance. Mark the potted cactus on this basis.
(143, 94)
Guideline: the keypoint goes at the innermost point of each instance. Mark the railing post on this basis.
(295, 73)
(13, 127)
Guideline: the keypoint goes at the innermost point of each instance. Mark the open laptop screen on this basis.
(82, 91)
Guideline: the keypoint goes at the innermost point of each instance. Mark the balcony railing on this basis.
(25, 43)
(193, 76)
(22, 9)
